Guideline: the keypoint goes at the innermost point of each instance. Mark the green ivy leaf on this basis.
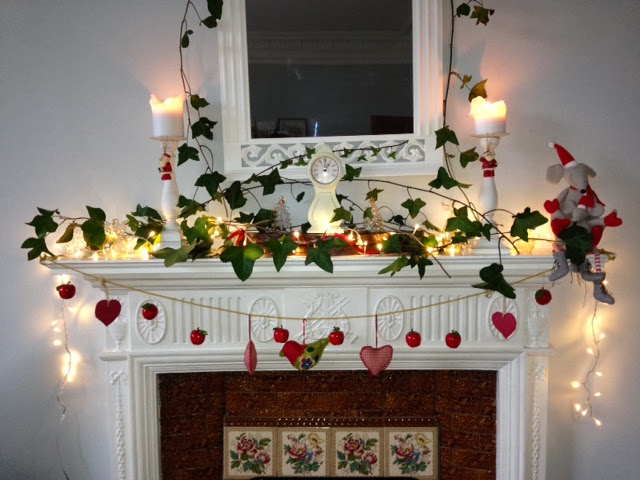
(67, 236)
(392, 244)
(242, 259)
(215, 8)
(44, 223)
(37, 247)
(421, 262)
(93, 233)
(263, 219)
(172, 256)
(185, 153)
(478, 90)
(211, 182)
(310, 152)
(184, 42)
(578, 242)
(373, 194)
(444, 180)
(494, 280)
(468, 156)
(463, 10)
(189, 207)
(397, 265)
(299, 197)
(368, 213)
(397, 219)
(414, 206)
(210, 22)
(321, 257)
(234, 196)
(148, 212)
(305, 227)
(444, 135)
(431, 226)
(197, 102)
(525, 221)
(482, 14)
(351, 173)
(97, 214)
(341, 213)
(203, 127)
(280, 250)
(270, 181)
(286, 163)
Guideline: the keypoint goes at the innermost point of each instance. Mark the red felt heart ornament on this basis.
(251, 358)
(376, 359)
(107, 311)
(559, 224)
(552, 206)
(504, 323)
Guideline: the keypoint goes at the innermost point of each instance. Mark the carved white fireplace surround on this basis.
(139, 350)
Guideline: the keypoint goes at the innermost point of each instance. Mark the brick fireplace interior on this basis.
(195, 406)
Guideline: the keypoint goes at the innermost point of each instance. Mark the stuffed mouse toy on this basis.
(577, 204)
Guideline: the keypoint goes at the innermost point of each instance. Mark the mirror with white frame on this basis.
(259, 47)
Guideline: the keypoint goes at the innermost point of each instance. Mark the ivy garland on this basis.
(248, 236)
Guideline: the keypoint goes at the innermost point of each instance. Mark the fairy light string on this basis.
(103, 282)
(586, 410)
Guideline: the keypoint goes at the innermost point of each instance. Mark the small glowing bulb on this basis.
(144, 253)
(584, 412)
(577, 406)
(54, 323)
(64, 278)
(351, 237)
(379, 247)
(94, 257)
(365, 246)
(57, 330)
(415, 227)
(219, 219)
(575, 384)
(597, 422)
(597, 394)
(452, 250)
(430, 249)
(296, 234)
(57, 343)
(602, 335)
(605, 282)
(589, 351)
(599, 374)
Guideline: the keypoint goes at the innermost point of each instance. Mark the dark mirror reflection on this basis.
(330, 67)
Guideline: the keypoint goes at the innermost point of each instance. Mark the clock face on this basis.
(325, 170)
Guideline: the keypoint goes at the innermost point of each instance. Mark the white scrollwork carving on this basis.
(500, 304)
(257, 155)
(390, 326)
(151, 331)
(261, 327)
(539, 376)
(118, 378)
(537, 323)
(327, 305)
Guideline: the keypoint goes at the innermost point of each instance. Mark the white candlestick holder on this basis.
(488, 195)
(172, 234)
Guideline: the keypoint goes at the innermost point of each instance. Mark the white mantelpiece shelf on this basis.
(148, 349)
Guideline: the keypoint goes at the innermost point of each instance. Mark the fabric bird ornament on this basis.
(304, 356)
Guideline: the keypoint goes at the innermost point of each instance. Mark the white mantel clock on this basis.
(326, 169)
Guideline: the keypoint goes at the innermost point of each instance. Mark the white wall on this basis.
(74, 125)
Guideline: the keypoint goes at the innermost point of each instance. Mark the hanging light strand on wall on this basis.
(585, 408)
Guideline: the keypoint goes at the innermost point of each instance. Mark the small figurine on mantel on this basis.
(578, 205)
(281, 216)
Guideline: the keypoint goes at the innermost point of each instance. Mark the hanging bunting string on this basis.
(278, 317)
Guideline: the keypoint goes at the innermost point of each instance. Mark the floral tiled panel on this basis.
(412, 452)
(358, 452)
(249, 452)
(304, 452)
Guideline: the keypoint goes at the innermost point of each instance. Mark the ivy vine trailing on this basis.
(247, 236)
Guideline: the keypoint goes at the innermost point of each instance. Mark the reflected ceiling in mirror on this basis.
(293, 76)
(329, 68)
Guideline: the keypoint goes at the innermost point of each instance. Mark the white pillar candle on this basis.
(168, 117)
(490, 118)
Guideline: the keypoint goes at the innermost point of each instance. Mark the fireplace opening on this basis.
(194, 408)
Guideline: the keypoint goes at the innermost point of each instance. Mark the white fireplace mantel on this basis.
(137, 350)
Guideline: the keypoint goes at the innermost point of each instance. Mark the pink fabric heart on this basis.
(107, 311)
(504, 323)
(376, 359)
(251, 358)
